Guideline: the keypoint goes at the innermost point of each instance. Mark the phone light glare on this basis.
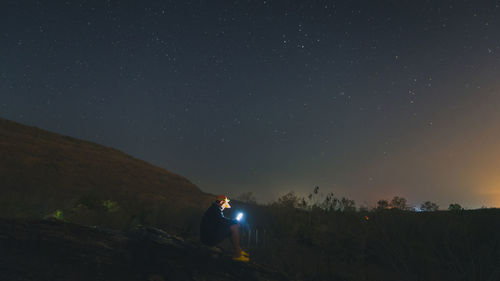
(240, 215)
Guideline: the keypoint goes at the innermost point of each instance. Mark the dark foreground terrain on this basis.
(54, 250)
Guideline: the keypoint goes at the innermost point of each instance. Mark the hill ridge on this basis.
(42, 171)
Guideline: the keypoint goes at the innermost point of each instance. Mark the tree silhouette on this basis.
(347, 205)
(429, 206)
(290, 200)
(399, 203)
(247, 197)
(382, 204)
(455, 207)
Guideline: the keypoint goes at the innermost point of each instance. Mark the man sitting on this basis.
(215, 227)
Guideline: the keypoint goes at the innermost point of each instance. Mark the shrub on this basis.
(110, 206)
(58, 215)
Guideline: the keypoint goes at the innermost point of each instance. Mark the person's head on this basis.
(223, 201)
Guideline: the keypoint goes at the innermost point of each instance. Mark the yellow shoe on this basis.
(243, 253)
(241, 258)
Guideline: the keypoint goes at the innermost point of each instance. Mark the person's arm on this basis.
(226, 221)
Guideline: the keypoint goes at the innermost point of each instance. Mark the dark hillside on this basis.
(42, 172)
(54, 250)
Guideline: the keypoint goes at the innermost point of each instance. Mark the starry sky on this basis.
(366, 99)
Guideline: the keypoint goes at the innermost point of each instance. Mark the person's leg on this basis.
(235, 238)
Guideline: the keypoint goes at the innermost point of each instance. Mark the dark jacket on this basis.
(214, 226)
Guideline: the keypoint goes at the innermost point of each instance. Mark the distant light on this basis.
(240, 215)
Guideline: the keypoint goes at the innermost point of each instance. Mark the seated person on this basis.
(215, 228)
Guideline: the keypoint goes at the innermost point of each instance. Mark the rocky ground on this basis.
(55, 250)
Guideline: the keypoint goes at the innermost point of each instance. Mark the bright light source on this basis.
(240, 215)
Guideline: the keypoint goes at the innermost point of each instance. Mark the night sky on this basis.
(366, 99)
